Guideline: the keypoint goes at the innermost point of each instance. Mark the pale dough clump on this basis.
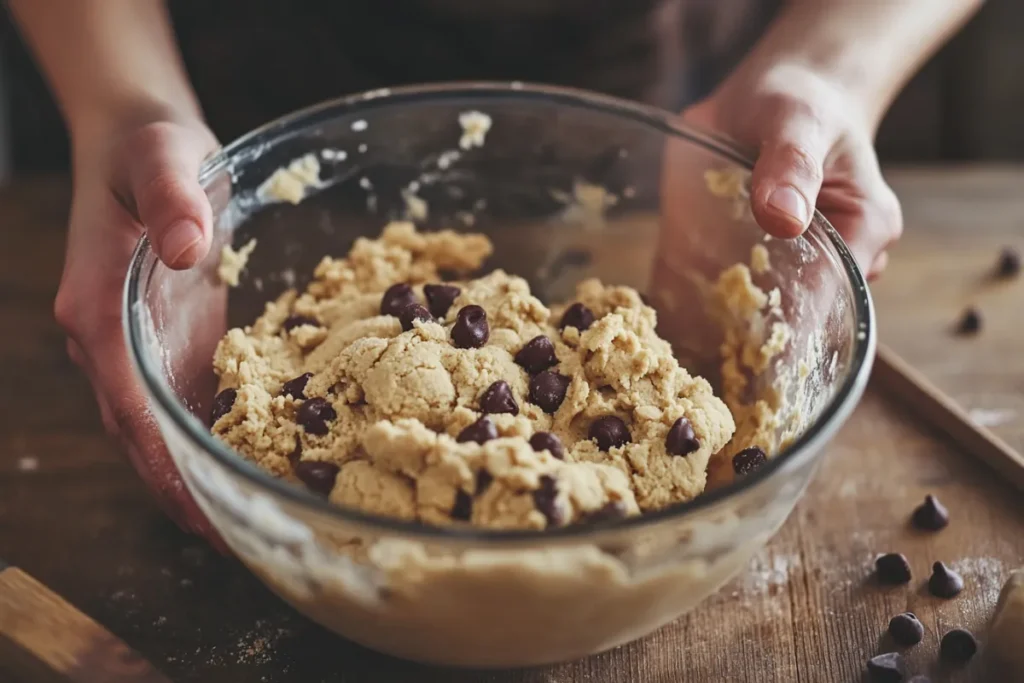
(391, 404)
(232, 262)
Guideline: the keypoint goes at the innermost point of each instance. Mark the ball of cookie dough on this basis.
(1006, 638)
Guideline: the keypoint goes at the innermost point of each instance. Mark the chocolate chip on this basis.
(537, 355)
(462, 509)
(440, 298)
(944, 582)
(481, 431)
(547, 390)
(293, 321)
(314, 415)
(970, 322)
(545, 500)
(886, 668)
(892, 568)
(681, 440)
(396, 298)
(222, 404)
(483, 481)
(958, 646)
(498, 398)
(748, 460)
(578, 316)
(295, 387)
(546, 441)
(906, 629)
(470, 330)
(931, 515)
(317, 475)
(296, 453)
(412, 313)
(609, 512)
(609, 432)
(1009, 263)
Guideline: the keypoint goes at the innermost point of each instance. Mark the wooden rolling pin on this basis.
(941, 412)
(44, 638)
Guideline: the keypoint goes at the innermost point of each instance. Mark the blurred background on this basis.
(966, 104)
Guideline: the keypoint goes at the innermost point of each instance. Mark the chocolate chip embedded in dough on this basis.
(317, 475)
(578, 316)
(462, 509)
(748, 460)
(546, 441)
(222, 404)
(481, 431)
(314, 414)
(293, 321)
(395, 298)
(609, 432)
(440, 298)
(680, 439)
(970, 322)
(547, 390)
(411, 313)
(498, 398)
(545, 499)
(470, 330)
(537, 355)
(295, 387)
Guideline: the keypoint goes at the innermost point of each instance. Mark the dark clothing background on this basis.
(251, 65)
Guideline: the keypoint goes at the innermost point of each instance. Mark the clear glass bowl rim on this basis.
(795, 455)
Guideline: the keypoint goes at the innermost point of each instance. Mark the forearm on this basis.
(870, 48)
(110, 63)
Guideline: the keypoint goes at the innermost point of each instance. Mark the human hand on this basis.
(151, 171)
(814, 144)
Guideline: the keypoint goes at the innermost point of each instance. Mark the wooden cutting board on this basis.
(74, 516)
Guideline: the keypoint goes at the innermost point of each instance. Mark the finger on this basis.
(788, 173)
(171, 203)
(881, 261)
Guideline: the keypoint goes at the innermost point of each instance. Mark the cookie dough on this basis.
(482, 406)
(232, 262)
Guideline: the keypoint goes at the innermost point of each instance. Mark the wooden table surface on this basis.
(73, 514)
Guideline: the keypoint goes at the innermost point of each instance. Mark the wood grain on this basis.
(52, 641)
(73, 514)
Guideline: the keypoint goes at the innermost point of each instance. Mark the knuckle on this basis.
(799, 158)
(65, 310)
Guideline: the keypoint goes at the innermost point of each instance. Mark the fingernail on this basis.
(179, 239)
(787, 201)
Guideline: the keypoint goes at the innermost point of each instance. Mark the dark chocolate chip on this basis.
(481, 431)
(498, 398)
(546, 441)
(547, 390)
(578, 316)
(222, 404)
(293, 321)
(892, 568)
(970, 322)
(412, 313)
(609, 432)
(537, 355)
(748, 460)
(396, 298)
(545, 499)
(931, 515)
(681, 440)
(462, 509)
(944, 582)
(314, 415)
(296, 453)
(295, 387)
(906, 629)
(886, 668)
(317, 475)
(958, 646)
(483, 481)
(440, 298)
(470, 330)
(1009, 263)
(609, 512)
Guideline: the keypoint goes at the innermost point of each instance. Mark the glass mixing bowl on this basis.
(567, 185)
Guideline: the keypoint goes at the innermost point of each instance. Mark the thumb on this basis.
(788, 174)
(164, 178)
